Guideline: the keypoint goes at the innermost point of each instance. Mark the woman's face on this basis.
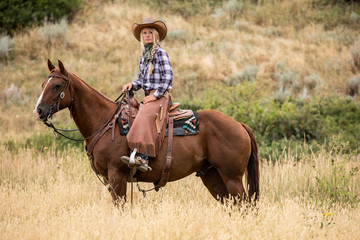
(147, 35)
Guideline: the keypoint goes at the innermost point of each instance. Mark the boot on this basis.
(141, 163)
(144, 164)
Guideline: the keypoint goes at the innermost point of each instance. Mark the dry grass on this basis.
(46, 198)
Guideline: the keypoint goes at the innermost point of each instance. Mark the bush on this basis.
(335, 185)
(353, 85)
(43, 141)
(355, 52)
(18, 14)
(291, 121)
(185, 8)
(6, 44)
(54, 34)
(249, 73)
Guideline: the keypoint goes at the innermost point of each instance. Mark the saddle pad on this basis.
(186, 126)
(123, 126)
(182, 127)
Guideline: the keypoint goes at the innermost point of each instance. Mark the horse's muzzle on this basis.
(41, 113)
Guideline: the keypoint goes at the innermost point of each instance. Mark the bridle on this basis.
(61, 96)
(57, 105)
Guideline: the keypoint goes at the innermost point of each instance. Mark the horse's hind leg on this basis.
(236, 188)
(215, 184)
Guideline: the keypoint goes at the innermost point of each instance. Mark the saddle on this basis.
(180, 123)
(186, 122)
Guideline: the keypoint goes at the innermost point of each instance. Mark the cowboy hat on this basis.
(149, 23)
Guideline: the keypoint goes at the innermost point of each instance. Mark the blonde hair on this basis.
(156, 43)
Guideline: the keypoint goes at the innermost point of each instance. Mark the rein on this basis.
(57, 105)
(57, 130)
(61, 96)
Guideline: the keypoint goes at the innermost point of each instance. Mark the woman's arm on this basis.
(166, 73)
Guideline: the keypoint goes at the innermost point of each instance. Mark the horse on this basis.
(223, 150)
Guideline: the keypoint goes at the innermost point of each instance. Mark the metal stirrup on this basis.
(132, 157)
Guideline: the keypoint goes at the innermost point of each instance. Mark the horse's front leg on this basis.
(118, 182)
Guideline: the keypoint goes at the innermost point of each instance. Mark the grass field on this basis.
(274, 45)
(43, 197)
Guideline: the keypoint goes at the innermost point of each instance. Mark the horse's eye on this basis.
(57, 87)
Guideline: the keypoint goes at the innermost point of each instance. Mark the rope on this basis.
(143, 190)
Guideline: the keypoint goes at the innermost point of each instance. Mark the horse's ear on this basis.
(50, 65)
(62, 68)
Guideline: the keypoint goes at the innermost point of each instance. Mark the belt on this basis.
(148, 92)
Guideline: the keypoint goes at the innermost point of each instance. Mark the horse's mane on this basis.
(97, 92)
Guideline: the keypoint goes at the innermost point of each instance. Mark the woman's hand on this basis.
(127, 87)
(149, 98)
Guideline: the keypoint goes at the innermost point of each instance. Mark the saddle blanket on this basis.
(182, 127)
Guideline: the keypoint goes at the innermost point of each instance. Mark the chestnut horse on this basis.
(223, 149)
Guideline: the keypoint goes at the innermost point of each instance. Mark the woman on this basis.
(148, 130)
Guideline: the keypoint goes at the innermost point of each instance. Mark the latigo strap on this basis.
(166, 170)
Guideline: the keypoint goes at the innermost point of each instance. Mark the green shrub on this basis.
(336, 185)
(249, 73)
(42, 141)
(287, 123)
(18, 14)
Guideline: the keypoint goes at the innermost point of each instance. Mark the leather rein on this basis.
(57, 105)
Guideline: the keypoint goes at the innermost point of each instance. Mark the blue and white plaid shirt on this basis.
(161, 77)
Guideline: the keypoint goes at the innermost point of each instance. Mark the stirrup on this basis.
(144, 166)
(130, 161)
(139, 163)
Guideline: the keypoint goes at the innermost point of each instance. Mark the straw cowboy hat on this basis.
(149, 23)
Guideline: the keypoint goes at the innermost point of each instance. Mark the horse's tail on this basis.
(253, 174)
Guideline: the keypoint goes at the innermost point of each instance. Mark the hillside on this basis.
(260, 51)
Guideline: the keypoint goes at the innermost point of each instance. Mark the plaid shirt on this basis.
(161, 77)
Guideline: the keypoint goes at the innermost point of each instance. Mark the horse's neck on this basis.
(90, 109)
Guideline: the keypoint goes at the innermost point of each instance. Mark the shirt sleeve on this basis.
(166, 74)
(137, 84)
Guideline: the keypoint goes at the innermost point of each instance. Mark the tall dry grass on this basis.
(47, 197)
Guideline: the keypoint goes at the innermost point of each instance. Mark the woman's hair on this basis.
(156, 43)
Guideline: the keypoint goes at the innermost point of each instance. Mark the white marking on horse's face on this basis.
(36, 114)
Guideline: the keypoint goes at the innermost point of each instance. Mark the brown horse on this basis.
(223, 149)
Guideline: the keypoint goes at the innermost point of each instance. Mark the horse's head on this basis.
(56, 93)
